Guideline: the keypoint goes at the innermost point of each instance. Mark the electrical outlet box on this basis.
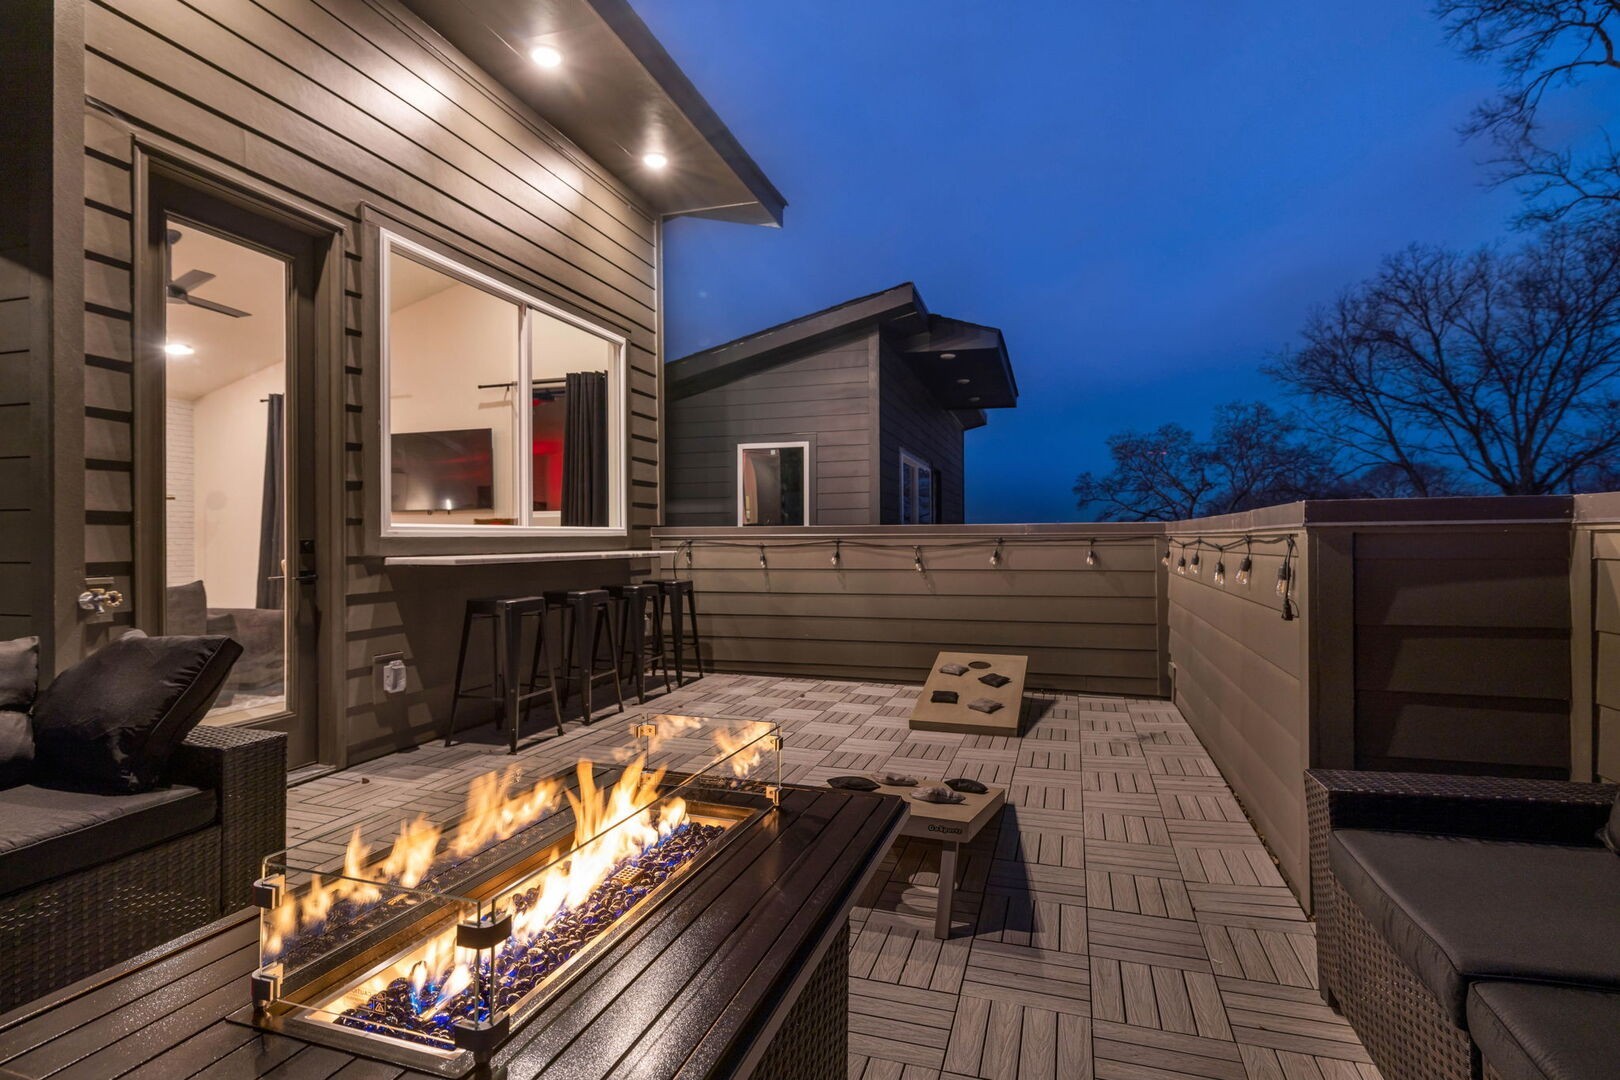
(387, 676)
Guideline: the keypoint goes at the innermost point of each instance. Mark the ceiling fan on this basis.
(179, 289)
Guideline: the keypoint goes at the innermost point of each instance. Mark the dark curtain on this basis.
(585, 450)
(272, 525)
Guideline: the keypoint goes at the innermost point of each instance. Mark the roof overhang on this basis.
(964, 365)
(617, 95)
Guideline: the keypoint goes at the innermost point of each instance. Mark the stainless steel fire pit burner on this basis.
(432, 955)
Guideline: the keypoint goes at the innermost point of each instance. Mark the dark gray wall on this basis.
(825, 396)
(335, 103)
(912, 419)
(41, 312)
(1604, 651)
(1092, 628)
(1462, 649)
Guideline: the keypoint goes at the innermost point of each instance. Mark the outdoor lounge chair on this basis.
(1451, 909)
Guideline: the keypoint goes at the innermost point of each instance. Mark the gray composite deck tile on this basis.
(1121, 920)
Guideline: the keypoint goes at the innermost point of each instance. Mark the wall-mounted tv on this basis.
(443, 470)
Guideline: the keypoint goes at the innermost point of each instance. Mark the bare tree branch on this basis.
(1541, 46)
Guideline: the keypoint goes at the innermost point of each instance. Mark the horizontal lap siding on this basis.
(1241, 683)
(339, 103)
(912, 420)
(109, 546)
(1462, 650)
(875, 616)
(1606, 627)
(824, 396)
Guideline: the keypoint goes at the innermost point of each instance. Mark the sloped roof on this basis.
(964, 365)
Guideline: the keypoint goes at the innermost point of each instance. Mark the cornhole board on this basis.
(950, 825)
(937, 716)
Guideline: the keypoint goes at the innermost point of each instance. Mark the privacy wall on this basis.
(873, 614)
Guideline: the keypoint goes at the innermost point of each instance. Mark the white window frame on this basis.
(907, 458)
(618, 406)
(809, 473)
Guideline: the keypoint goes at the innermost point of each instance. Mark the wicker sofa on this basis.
(1469, 926)
(89, 880)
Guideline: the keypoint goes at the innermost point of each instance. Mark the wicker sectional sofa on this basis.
(1469, 927)
(89, 880)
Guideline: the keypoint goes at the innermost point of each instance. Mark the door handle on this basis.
(306, 577)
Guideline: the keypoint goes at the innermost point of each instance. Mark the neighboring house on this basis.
(851, 416)
(302, 296)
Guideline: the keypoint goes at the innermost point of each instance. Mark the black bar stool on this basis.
(681, 599)
(587, 613)
(641, 630)
(506, 615)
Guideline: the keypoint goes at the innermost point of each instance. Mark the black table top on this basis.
(691, 991)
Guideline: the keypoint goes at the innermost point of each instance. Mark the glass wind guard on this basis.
(717, 752)
(440, 940)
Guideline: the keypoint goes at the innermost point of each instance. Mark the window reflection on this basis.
(771, 485)
(452, 421)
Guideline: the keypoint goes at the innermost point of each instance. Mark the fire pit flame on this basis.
(491, 816)
(625, 844)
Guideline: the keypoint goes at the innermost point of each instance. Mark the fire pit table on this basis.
(625, 920)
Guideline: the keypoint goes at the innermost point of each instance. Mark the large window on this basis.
(916, 490)
(773, 483)
(503, 414)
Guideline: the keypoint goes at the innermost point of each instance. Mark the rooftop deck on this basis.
(1124, 921)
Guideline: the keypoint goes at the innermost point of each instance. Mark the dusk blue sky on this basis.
(1146, 197)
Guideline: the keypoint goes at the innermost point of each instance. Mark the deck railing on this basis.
(1451, 635)
(879, 602)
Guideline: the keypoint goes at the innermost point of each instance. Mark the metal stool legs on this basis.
(682, 601)
(639, 611)
(589, 613)
(506, 683)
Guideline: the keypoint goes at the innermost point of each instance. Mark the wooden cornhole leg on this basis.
(947, 889)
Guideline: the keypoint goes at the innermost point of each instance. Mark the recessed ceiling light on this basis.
(947, 356)
(545, 56)
(178, 348)
(973, 400)
(654, 160)
(963, 382)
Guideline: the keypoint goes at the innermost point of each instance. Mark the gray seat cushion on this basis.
(1528, 1031)
(19, 682)
(46, 833)
(1457, 909)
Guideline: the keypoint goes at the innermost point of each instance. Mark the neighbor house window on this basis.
(773, 483)
(503, 414)
(916, 490)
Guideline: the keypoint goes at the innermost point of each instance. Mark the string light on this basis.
(1182, 561)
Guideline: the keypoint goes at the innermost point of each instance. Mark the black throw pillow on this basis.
(19, 680)
(110, 722)
(1611, 831)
